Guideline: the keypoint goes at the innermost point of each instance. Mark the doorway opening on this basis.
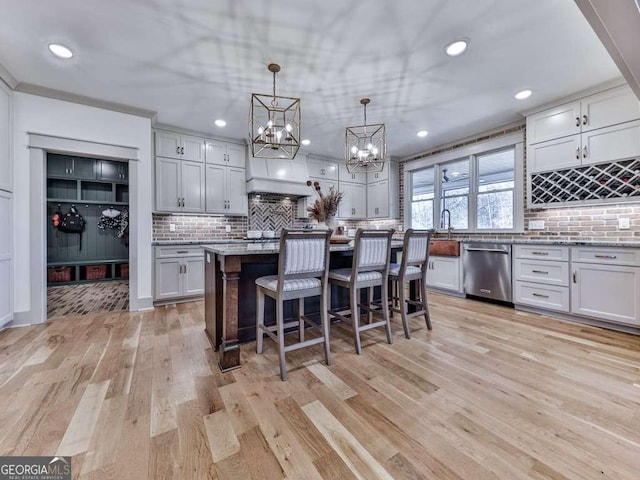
(87, 219)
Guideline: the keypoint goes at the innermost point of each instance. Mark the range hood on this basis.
(281, 176)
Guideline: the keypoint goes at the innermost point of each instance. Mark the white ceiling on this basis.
(193, 61)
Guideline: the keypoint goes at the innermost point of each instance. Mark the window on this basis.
(496, 184)
(422, 197)
(455, 193)
(482, 189)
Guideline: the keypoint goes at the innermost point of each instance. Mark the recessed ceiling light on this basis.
(60, 51)
(457, 48)
(220, 123)
(422, 133)
(306, 141)
(523, 94)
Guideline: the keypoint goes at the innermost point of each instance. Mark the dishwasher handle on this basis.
(492, 250)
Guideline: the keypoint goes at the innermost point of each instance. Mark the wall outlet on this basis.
(624, 224)
(172, 227)
(227, 228)
(536, 224)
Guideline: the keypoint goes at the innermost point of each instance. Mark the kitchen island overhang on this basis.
(230, 292)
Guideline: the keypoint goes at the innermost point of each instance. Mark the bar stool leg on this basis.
(301, 322)
(280, 324)
(370, 301)
(425, 304)
(403, 307)
(259, 320)
(355, 318)
(385, 312)
(324, 319)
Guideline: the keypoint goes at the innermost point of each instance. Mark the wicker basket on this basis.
(124, 270)
(95, 272)
(58, 274)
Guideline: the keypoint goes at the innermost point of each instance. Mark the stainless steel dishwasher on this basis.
(487, 270)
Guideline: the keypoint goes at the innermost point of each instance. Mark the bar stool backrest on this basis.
(372, 251)
(303, 254)
(415, 250)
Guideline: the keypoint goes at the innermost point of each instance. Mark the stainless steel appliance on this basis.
(487, 270)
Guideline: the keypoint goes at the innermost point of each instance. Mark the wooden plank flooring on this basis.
(490, 393)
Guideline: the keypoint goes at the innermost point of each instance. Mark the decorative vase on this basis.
(321, 226)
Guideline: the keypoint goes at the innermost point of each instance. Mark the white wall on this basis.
(34, 114)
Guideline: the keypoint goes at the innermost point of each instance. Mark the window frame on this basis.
(471, 152)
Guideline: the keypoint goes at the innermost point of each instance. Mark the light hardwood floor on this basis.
(489, 393)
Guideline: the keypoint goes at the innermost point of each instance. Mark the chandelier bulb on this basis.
(289, 127)
(270, 124)
(260, 130)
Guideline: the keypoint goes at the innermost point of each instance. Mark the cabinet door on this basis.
(6, 255)
(192, 187)
(378, 176)
(444, 273)
(108, 171)
(345, 176)
(236, 155)
(359, 200)
(215, 184)
(168, 144)
(607, 292)
(372, 200)
(611, 107)
(84, 168)
(554, 123)
(193, 276)
(5, 140)
(618, 142)
(192, 149)
(123, 168)
(345, 209)
(168, 179)
(216, 152)
(378, 199)
(555, 154)
(236, 191)
(168, 278)
(59, 166)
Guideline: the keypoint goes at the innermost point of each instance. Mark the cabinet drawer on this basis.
(178, 251)
(606, 256)
(539, 271)
(542, 252)
(550, 297)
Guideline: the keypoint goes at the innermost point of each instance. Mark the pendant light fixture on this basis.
(365, 145)
(274, 123)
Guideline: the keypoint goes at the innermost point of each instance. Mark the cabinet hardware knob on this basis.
(584, 152)
(539, 253)
(540, 271)
(575, 277)
(577, 121)
(178, 201)
(185, 268)
(577, 153)
(585, 119)
(540, 295)
(183, 251)
(610, 257)
(182, 150)
(178, 150)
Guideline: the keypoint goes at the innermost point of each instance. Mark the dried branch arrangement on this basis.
(326, 206)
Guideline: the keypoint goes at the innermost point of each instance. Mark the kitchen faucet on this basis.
(442, 224)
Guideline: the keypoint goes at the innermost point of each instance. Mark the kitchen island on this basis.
(230, 293)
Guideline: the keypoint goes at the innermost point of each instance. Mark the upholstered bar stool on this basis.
(370, 268)
(413, 267)
(303, 266)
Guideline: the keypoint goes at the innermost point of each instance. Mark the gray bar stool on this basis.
(303, 266)
(414, 264)
(370, 268)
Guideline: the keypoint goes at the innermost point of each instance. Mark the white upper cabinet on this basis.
(5, 139)
(179, 186)
(226, 189)
(378, 176)
(354, 201)
(222, 153)
(321, 169)
(345, 176)
(555, 154)
(611, 107)
(182, 147)
(612, 143)
(554, 123)
(378, 199)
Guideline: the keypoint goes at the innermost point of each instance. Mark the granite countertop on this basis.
(564, 243)
(169, 243)
(269, 248)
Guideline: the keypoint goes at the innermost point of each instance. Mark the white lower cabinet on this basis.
(550, 297)
(608, 292)
(444, 273)
(179, 272)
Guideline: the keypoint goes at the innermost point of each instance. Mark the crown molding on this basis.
(41, 91)
(7, 78)
(196, 133)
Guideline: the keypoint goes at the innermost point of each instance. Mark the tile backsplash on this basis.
(196, 228)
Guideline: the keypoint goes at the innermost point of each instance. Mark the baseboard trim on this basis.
(141, 304)
(24, 319)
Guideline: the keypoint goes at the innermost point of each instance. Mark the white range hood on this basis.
(281, 176)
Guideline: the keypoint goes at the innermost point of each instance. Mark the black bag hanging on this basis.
(72, 222)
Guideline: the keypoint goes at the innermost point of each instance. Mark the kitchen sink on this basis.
(445, 248)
